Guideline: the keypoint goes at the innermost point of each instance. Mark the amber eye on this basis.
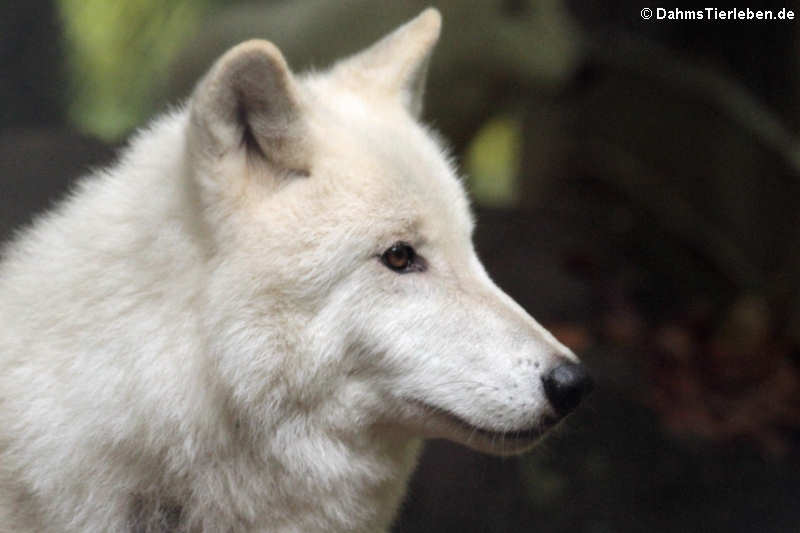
(400, 257)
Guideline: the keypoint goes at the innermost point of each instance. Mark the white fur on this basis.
(201, 339)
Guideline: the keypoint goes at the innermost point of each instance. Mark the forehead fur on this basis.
(374, 151)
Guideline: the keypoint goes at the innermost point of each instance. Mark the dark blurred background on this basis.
(637, 185)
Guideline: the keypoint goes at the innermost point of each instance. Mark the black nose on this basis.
(566, 385)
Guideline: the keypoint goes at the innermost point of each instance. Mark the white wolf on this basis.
(253, 319)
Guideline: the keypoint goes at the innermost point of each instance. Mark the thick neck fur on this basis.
(180, 450)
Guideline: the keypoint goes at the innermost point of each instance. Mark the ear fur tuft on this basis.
(397, 65)
(250, 99)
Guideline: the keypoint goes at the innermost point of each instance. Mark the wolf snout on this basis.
(565, 385)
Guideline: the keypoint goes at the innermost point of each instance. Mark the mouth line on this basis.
(518, 435)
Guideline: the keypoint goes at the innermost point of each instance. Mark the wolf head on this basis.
(345, 283)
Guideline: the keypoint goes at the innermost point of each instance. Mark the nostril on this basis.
(566, 385)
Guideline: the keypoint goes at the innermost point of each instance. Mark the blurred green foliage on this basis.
(493, 161)
(115, 51)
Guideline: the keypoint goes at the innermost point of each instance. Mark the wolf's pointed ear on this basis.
(249, 100)
(397, 64)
